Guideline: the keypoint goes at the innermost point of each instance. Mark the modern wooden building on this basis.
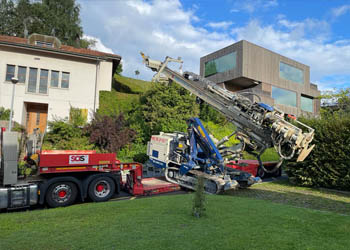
(276, 80)
(52, 78)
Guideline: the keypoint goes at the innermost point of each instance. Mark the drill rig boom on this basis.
(259, 126)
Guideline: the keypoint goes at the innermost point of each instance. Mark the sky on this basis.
(313, 32)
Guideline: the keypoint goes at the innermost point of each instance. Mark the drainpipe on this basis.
(96, 78)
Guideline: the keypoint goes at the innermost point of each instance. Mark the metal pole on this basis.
(14, 81)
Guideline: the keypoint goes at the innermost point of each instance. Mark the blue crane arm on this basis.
(203, 151)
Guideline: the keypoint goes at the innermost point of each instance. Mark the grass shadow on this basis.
(285, 193)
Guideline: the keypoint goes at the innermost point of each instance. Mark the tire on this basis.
(61, 194)
(101, 189)
(261, 172)
(278, 172)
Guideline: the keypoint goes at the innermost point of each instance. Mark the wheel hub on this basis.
(102, 189)
(62, 193)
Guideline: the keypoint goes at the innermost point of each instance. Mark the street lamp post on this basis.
(14, 81)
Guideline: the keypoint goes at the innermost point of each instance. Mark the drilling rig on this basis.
(186, 156)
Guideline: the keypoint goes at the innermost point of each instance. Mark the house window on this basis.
(221, 64)
(54, 78)
(44, 44)
(22, 73)
(283, 96)
(37, 122)
(291, 73)
(44, 76)
(65, 80)
(33, 73)
(306, 104)
(10, 72)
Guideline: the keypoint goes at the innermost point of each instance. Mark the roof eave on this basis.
(55, 51)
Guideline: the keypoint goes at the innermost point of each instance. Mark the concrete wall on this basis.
(260, 69)
(81, 91)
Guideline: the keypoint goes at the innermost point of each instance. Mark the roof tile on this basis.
(64, 48)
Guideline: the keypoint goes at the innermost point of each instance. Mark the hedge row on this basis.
(328, 165)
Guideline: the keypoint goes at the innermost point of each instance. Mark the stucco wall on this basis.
(81, 92)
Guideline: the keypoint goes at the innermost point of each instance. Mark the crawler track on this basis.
(213, 184)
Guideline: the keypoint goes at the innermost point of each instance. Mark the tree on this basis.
(7, 17)
(166, 108)
(137, 72)
(198, 206)
(119, 69)
(337, 100)
(59, 18)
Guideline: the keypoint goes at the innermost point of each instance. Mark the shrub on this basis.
(77, 116)
(208, 113)
(4, 114)
(109, 133)
(328, 165)
(65, 136)
(167, 108)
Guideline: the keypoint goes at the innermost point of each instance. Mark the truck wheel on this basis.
(261, 172)
(278, 172)
(61, 194)
(101, 189)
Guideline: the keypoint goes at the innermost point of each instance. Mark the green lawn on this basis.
(285, 193)
(132, 85)
(164, 222)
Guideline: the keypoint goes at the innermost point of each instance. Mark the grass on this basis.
(113, 102)
(165, 222)
(132, 85)
(285, 193)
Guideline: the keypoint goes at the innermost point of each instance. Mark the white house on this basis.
(52, 78)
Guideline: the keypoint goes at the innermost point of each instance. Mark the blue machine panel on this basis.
(155, 153)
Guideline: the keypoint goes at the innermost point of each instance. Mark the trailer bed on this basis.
(158, 185)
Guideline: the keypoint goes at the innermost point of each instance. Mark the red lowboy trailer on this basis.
(252, 167)
(66, 176)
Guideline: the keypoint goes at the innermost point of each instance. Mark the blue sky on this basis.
(313, 32)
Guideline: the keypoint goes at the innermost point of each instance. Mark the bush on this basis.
(167, 108)
(208, 113)
(328, 165)
(133, 152)
(66, 136)
(4, 114)
(109, 133)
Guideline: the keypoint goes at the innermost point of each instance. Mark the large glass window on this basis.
(65, 80)
(33, 72)
(291, 73)
(44, 75)
(285, 97)
(54, 79)
(22, 72)
(221, 64)
(307, 104)
(10, 72)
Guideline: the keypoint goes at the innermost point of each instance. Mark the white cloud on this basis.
(220, 25)
(251, 6)
(337, 12)
(325, 58)
(99, 46)
(164, 28)
(159, 28)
